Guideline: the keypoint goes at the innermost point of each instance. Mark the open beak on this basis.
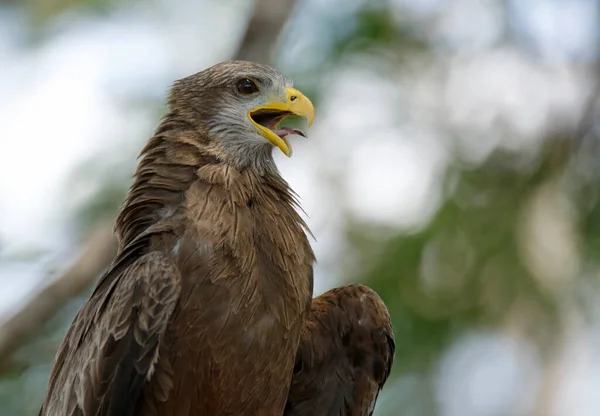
(268, 117)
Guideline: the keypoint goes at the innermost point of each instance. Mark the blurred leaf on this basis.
(463, 270)
(42, 11)
(374, 30)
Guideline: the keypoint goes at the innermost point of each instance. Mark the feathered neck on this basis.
(175, 157)
(165, 171)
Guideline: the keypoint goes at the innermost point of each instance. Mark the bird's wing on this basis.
(112, 345)
(345, 355)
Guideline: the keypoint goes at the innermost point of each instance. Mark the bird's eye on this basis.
(247, 86)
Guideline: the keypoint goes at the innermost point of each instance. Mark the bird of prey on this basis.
(207, 308)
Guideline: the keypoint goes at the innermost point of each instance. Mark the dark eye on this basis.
(247, 86)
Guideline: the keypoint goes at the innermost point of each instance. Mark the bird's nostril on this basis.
(293, 98)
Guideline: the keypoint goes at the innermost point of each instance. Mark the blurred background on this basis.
(454, 166)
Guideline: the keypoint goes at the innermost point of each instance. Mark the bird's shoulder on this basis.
(345, 355)
(356, 320)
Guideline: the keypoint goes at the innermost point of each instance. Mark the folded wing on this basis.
(345, 355)
(112, 346)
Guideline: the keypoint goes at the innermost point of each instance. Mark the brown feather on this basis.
(222, 339)
(345, 355)
(108, 354)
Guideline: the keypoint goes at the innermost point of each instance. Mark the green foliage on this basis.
(374, 29)
(462, 270)
(43, 11)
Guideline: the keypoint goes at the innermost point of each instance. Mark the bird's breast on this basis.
(231, 346)
(246, 276)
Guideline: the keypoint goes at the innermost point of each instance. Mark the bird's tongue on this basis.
(286, 131)
(289, 125)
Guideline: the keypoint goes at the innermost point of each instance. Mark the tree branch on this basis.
(263, 30)
(100, 249)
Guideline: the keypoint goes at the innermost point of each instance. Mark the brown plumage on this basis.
(345, 355)
(202, 310)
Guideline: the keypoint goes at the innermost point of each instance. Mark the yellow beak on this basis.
(295, 104)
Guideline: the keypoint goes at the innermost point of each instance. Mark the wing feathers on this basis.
(345, 355)
(115, 350)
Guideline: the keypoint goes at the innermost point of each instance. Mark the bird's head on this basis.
(240, 107)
